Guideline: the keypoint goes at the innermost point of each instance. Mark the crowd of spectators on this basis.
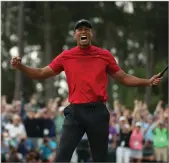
(30, 132)
(138, 135)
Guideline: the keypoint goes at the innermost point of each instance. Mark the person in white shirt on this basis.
(16, 129)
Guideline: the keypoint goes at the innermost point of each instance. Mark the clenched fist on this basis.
(15, 62)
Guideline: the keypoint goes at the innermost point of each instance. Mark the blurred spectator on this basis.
(123, 150)
(25, 146)
(31, 137)
(16, 129)
(160, 140)
(148, 152)
(59, 120)
(33, 157)
(30, 159)
(5, 140)
(136, 143)
(113, 131)
(148, 128)
(165, 116)
(114, 123)
(48, 150)
(32, 105)
(4, 145)
(13, 155)
(4, 148)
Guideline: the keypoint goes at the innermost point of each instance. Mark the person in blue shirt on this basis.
(47, 149)
(148, 129)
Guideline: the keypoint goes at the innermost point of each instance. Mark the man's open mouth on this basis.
(83, 38)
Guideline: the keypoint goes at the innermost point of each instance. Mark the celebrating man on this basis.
(86, 68)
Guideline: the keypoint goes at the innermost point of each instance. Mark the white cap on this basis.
(61, 108)
(45, 131)
(122, 118)
(138, 124)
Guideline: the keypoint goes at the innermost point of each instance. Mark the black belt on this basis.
(89, 103)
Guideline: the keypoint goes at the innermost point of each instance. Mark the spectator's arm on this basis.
(155, 124)
(158, 107)
(114, 144)
(132, 125)
(137, 108)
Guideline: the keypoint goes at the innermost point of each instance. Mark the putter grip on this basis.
(162, 73)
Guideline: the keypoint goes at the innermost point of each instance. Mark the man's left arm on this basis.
(130, 80)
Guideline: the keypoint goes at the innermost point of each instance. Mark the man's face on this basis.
(16, 121)
(138, 128)
(83, 36)
(161, 125)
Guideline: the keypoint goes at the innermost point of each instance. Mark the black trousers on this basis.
(92, 118)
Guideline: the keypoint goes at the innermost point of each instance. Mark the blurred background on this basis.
(32, 111)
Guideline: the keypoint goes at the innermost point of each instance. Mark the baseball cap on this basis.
(122, 118)
(82, 22)
(61, 108)
(138, 124)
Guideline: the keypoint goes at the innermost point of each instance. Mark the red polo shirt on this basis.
(86, 72)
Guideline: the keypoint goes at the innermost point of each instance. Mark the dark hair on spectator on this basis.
(31, 156)
(45, 140)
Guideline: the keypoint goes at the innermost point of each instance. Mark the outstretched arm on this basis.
(33, 73)
(130, 80)
(37, 73)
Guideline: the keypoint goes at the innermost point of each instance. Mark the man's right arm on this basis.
(37, 73)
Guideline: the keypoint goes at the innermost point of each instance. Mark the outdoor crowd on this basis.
(30, 132)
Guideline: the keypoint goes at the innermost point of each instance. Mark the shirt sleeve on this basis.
(113, 67)
(57, 64)
(23, 131)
